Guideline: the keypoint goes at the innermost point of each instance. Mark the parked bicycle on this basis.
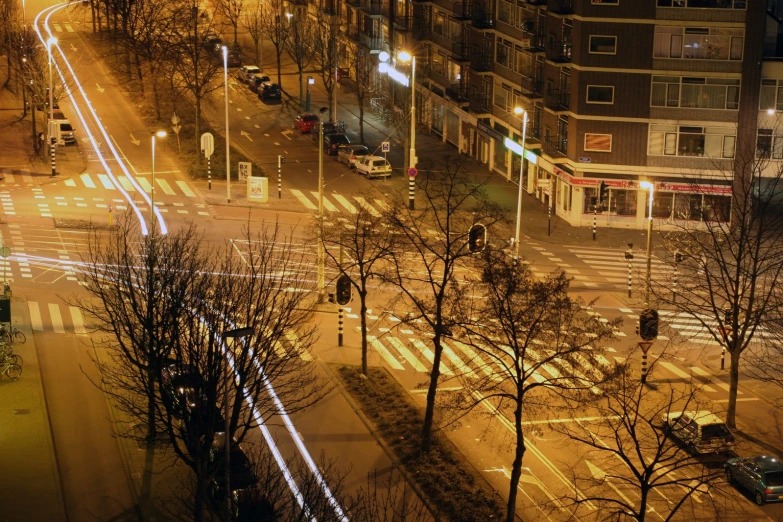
(12, 367)
(12, 334)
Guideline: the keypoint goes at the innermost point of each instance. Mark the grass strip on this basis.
(451, 484)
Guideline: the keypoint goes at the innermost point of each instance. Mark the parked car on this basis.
(247, 73)
(306, 122)
(332, 142)
(700, 431)
(213, 43)
(257, 81)
(351, 154)
(762, 476)
(269, 91)
(374, 167)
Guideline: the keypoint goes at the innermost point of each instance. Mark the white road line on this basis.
(57, 320)
(367, 206)
(87, 180)
(327, 204)
(303, 199)
(400, 346)
(381, 349)
(166, 187)
(106, 182)
(68, 28)
(186, 189)
(145, 184)
(126, 184)
(381, 204)
(78, 321)
(35, 316)
(475, 359)
(457, 362)
(429, 355)
(294, 340)
(68, 182)
(344, 202)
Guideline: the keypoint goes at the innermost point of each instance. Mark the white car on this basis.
(374, 166)
(247, 73)
(352, 154)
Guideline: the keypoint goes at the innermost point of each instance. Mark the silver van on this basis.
(374, 166)
(700, 431)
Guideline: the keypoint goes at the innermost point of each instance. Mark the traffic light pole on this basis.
(339, 306)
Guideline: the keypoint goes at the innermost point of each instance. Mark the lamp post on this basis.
(49, 43)
(651, 188)
(159, 134)
(518, 111)
(232, 334)
(310, 81)
(228, 146)
(406, 57)
(321, 253)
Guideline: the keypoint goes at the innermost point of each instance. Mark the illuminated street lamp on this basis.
(651, 187)
(158, 134)
(321, 253)
(228, 146)
(52, 143)
(406, 57)
(520, 111)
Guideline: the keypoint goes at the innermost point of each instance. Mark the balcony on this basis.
(481, 18)
(354, 3)
(558, 99)
(559, 51)
(373, 43)
(403, 23)
(533, 131)
(480, 104)
(329, 7)
(421, 29)
(556, 145)
(461, 10)
(535, 39)
(374, 8)
(460, 51)
(481, 62)
(532, 87)
(352, 33)
(563, 7)
(458, 92)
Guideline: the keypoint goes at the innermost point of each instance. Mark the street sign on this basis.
(5, 251)
(385, 146)
(413, 172)
(645, 346)
(175, 124)
(207, 144)
(245, 170)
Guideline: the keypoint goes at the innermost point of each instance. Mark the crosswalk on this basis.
(334, 202)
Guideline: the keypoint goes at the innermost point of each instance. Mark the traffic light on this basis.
(728, 317)
(603, 192)
(477, 238)
(343, 290)
(678, 256)
(648, 324)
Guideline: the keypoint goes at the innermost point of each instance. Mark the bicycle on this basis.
(11, 334)
(11, 369)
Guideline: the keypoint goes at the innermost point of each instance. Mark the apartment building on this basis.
(616, 92)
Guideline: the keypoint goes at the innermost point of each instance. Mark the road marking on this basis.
(475, 359)
(381, 204)
(126, 184)
(457, 362)
(367, 206)
(186, 189)
(294, 340)
(35, 316)
(145, 185)
(68, 182)
(57, 28)
(430, 356)
(672, 368)
(78, 321)
(68, 28)
(381, 349)
(106, 182)
(726, 387)
(695, 370)
(344, 202)
(9, 178)
(303, 199)
(57, 320)
(166, 187)
(400, 346)
(742, 399)
(87, 180)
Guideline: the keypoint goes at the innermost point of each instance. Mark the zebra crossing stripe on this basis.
(427, 353)
(294, 340)
(78, 321)
(695, 370)
(367, 206)
(57, 28)
(400, 346)
(126, 184)
(69, 182)
(381, 349)
(382, 205)
(475, 359)
(166, 187)
(87, 180)
(68, 28)
(185, 189)
(344, 202)
(457, 362)
(303, 199)
(327, 204)
(145, 185)
(35, 316)
(57, 320)
(106, 182)
(9, 178)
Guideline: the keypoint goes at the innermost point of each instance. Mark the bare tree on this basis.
(632, 466)
(233, 11)
(359, 63)
(436, 237)
(733, 257)
(253, 21)
(326, 56)
(358, 248)
(300, 46)
(525, 326)
(8, 16)
(275, 24)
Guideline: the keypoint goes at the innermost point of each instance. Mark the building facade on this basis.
(615, 91)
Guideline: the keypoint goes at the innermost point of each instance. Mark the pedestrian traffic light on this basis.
(603, 191)
(477, 238)
(648, 324)
(343, 292)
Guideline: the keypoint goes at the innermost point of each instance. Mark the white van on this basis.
(62, 130)
(374, 166)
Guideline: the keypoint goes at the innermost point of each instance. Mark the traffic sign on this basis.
(207, 144)
(645, 346)
(245, 170)
(385, 147)
(5, 251)
(413, 172)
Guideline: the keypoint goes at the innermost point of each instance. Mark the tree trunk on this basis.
(731, 411)
(429, 413)
(644, 495)
(198, 124)
(94, 17)
(139, 73)
(151, 428)
(279, 73)
(200, 493)
(361, 123)
(363, 315)
(155, 93)
(301, 88)
(8, 64)
(35, 132)
(516, 467)
(236, 33)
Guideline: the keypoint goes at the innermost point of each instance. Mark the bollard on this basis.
(723, 358)
(644, 367)
(411, 191)
(595, 221)
(209, 172)
(340, 326)
(549, 218)
(111, 216)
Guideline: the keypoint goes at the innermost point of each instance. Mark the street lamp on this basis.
(230, 334)
(651, 188)
(52, 144)
(159, 134)
(520, 111)
(228, 146)
(310, 81)
(406, 57)
(289, 15)
(321, 253)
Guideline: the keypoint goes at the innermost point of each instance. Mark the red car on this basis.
(306, 122)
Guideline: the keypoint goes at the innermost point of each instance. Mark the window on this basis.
(598, 142)
(769, 144)
(438, 63)
(502, 96)
(603, 44)
(503, 51)
(698, 43)
(505, 10)
(600, 94)
(771, 96)
(523, 62)
(704, 4)
(695, 93)
(674, 140)
(439, 24)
